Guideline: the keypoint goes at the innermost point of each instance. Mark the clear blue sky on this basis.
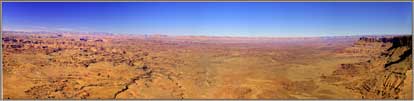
(213, 18)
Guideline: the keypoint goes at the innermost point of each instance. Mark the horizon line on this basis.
(235, 36)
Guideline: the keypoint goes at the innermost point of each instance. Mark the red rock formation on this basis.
(387, 76)
(368, 47)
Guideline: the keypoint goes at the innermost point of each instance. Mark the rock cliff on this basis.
(369, 46)
(386, 76)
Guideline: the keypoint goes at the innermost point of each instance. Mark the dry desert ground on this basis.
(111, 66)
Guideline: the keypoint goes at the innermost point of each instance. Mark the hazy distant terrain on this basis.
(106, 66)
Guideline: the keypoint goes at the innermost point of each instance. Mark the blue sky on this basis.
(212, 18)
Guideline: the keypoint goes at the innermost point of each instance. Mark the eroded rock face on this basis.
(369, 47)
(61, 66)
(387, 76)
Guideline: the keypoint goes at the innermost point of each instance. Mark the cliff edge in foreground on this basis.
(387, 76)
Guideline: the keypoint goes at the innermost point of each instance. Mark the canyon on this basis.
(114, 66)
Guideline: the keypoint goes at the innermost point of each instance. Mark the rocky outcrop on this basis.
(387, 76)
(87, 67)
(368, 47)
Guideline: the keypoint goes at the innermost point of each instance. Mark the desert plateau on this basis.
(52, 65)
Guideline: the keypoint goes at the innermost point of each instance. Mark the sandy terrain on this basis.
(85, 66)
